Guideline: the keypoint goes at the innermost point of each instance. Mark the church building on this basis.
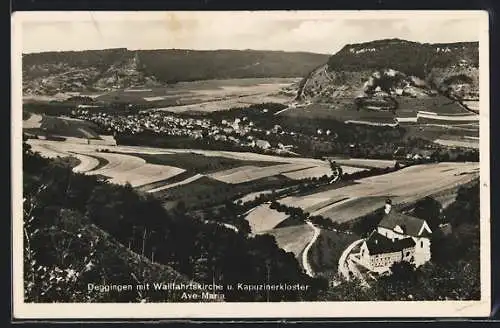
(398, 237)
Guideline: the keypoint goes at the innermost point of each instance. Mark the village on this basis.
(242, 133)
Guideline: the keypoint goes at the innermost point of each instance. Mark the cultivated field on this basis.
(295, 171)
(318, 171)
(167, 185)
(34, 121)
(120, 168)
(457, 135)
(250, 173)
(58, 96)
(403, 186)
(338, 112)
(436, 110)
(59, 126)
(362, 163)
(263, 218)
(205, 96)
(472, 105)
(134, 170)
(253, 195)
(471, 143)
(351, 207)
(226, 103)
(200, 163)
(87, 163)
(155, 169)
(293, 239)
(409, 107)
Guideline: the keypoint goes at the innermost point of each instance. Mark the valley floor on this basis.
(341, 204)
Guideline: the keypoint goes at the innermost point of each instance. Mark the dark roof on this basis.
(379, 244)
(410, 224)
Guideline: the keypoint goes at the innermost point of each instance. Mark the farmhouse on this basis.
(263, 144)
(398, 237)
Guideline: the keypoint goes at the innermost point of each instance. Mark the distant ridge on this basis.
(451, 69)
(119, 67)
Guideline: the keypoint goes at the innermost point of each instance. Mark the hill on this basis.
(93, 70)
(65, 251)
(371, 75)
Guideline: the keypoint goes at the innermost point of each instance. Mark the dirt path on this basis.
(175, 184)
(87, 163)
(305, 254)
(223, 224)
(352, 267)
(343, 267)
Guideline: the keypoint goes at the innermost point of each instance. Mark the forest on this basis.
(411, 58)
(175, 65)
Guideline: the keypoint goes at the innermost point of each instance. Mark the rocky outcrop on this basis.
(376, 70)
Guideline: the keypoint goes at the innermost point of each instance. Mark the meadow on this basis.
(337, 112)
(409, 107)
(293, 239)
(326, 251)
(262, 218)
(38, 124)
(199, 163)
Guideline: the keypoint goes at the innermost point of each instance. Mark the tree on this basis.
(403, 271)
(429, 209)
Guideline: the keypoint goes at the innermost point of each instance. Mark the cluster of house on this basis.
(241, 132)
(416, 154)
(398, 237)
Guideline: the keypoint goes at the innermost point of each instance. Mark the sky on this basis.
(319, 32)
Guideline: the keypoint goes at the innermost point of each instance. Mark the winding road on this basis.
(87, 163)
(305, 253)
(343, 267)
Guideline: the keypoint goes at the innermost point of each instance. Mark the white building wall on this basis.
(383, 262)
(391, 234)
(364, 256)
(422, 250)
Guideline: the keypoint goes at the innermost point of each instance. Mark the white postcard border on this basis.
(23, 310)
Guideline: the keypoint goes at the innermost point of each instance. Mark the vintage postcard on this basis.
(250, 164)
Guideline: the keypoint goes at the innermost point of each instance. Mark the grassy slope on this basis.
(51, 125)
(293, 238)
(136, 261)
(198, 163)
(408, 107)
(325, 253)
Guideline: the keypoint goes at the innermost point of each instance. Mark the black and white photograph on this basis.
(264, 164)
